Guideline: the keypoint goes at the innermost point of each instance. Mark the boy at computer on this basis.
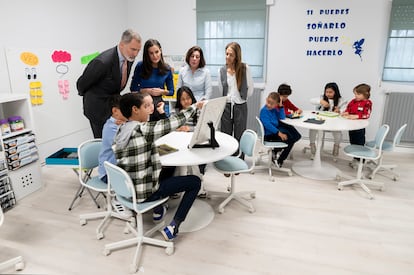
(136, 153)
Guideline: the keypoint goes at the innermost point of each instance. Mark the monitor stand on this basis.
(212, 141)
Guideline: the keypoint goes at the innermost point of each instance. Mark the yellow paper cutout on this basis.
(29, 58)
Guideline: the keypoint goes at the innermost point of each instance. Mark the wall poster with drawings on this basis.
(49, 77)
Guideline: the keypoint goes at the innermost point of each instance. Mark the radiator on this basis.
(399, 110)
(254, 104)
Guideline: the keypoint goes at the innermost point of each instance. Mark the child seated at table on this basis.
(106, 154)
(136, 153)
(359, 108)
(271, 115)
(330, 101)
(285, 91)
(185, 98)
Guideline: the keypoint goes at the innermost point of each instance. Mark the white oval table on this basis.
(201, 213)
(316, 169)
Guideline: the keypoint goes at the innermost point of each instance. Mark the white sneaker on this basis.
(121, 209)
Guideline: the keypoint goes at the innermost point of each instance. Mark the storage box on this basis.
(65, 156)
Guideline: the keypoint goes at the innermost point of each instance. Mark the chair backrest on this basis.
(398, 135)
(260, 129)
(380, 137)
(248, 142)
(120, 181)
(88, 153)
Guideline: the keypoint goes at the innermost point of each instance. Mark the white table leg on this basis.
(316, 169)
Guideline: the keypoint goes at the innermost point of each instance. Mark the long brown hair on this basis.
(146, 61)
(239, 66)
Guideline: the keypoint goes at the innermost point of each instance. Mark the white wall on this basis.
(97, 25)
(76, 25)
(288, 42)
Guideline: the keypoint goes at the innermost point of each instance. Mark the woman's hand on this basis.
(156, 91)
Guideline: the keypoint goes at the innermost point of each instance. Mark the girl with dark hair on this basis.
(330, 101)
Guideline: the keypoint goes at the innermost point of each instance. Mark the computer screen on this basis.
(210, 114)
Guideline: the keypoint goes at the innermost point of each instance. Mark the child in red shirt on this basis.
(359, 108)
(285, 91)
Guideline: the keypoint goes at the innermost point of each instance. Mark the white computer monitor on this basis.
(207, 123)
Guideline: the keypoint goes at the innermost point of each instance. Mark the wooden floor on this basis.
(300, 226)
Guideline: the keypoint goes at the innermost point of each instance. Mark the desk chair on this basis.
(366, 153)
(120, 182)
(17, 262)
(269, 146)
(88, 153)
(386, 146)
(234, 165)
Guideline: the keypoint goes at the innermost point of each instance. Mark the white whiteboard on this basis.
(59, 115)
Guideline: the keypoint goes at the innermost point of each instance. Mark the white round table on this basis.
(201, 213)
(316, 169)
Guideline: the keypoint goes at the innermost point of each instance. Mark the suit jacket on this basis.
(101, 80)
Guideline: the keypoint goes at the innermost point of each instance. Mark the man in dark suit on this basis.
(106, 76)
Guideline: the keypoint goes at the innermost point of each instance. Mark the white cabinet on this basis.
(20, 172)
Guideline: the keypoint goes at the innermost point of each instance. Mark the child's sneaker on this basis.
(120, 209)
(169, 232)
(159, 213)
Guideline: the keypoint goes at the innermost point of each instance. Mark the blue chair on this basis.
(234, 165)
(88, 153)
(366, 153)
(269, 146)
(388, 147)
(17, 262)
(120, 182)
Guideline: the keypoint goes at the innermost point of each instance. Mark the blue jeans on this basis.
(190, 185)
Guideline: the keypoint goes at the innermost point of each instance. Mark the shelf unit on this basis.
(20, 173)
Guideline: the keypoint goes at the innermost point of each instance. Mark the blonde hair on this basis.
(363, 89)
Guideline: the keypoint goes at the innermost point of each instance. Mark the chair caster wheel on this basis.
(126, 230)
(382, 188)
(395, 178)
(82, 222)
(221, 210)
(339, 188)
(169, 251)
(290, 174)
(272, 179)
(106, 252)
(252, 210)
(133, 269)
(100, 236)
(228, 189)
(253, 195)
(19, 266)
